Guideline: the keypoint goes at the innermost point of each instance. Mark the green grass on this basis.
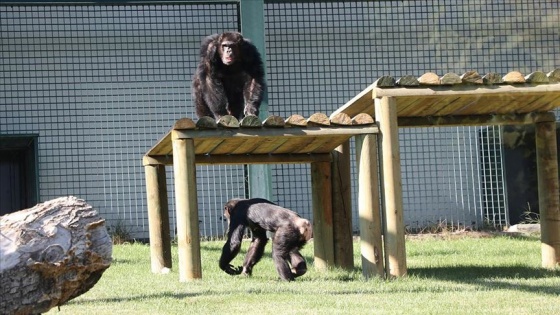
(464, 275)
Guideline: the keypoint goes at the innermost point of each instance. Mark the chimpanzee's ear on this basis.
(212, 51)
(228, 210)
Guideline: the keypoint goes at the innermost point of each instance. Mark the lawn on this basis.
(446, 275)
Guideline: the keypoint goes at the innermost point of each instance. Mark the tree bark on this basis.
(50, 254)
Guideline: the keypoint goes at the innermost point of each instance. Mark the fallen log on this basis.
(50, 254)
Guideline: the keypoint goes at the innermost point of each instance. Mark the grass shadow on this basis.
(132, 298)
(492, 277)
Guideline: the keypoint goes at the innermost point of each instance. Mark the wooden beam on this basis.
(158, 218)
(476, 120)
(368, 207)
(275, 132)
(236, 159)
(395, 255)
(321, 192)
(549, 203)
(342, 207)
(464, 89)
(188, 234)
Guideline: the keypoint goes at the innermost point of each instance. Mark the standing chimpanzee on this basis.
(261, 215)
(229, 79)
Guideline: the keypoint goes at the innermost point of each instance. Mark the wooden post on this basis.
(395, 254)
(547, 169)
(322, 214)
(158, 218)
(342, 207)
(368, 206)
(187, 209)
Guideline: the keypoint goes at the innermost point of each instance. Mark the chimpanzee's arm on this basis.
(231, 248)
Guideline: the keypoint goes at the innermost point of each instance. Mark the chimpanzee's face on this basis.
(228, 52)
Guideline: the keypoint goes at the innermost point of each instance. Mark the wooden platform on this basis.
(428, 100)
(294, 140)
(467, 99)
(467, 95)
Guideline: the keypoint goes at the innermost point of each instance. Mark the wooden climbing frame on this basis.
(295, 140)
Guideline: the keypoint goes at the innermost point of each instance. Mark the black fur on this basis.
(261, 215)
(235, 89)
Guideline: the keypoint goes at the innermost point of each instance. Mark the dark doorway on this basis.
(18, 173)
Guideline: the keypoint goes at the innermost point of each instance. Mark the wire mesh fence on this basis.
(101, 83)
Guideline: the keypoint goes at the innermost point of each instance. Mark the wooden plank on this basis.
(203, 146)
(206, 122)
(163, 146)
(275, 132)
(536, 103)
(228, 121)
(549, 203)
(296, 121)
(474, 120)
(385, 81)
(184, 123)
(318, 119)
(361, 103)
(492, 78)
(188, 235)
(340, 119)
(454, 103)
(321, 192)
(227, 146)
(468, 90)
(318, 144)
(342, 207)
(334, 142)
(270, 145)
(554, 76)
(471, 77)
(395, 254)
(274, 122)
(420, 106)
(536, 77)
(248, 146)
(408, 81)
(362, 119)
(250, 121)
(158, 219)
(236, 159)
(157, 159)
(450, 79)
(293, 145)
(514, 77)
(368, 207)
(429, 78)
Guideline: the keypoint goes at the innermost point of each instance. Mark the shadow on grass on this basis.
(132, 298)
(492, 277)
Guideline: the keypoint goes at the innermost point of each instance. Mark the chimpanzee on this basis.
(261, 215)
(229, 79)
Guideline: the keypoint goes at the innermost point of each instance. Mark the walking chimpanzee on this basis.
(291, 233)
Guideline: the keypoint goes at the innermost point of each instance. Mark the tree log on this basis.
(50, 254)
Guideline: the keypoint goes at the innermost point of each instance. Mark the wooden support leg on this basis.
(368, 207)
(395, 254)
(342, 207)
(187, 209)
(158, 218)
(547, 169)
(322, 214)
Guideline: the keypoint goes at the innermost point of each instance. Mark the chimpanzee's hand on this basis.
(231, 270)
